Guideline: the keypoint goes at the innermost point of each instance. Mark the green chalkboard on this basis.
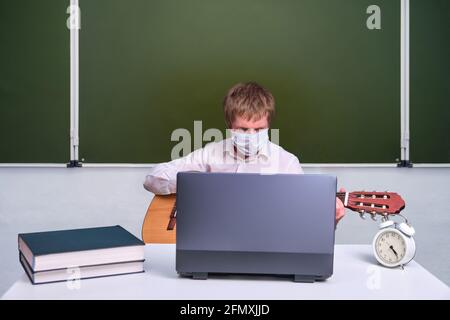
(34, 81)
(149, 67)
(430, 81)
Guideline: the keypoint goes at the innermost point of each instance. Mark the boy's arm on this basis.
(162, 178)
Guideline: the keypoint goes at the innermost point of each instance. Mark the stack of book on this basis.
(86, 253)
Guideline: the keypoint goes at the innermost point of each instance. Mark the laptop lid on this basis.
(246, 212)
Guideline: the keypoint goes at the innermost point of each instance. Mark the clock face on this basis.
(390, 247)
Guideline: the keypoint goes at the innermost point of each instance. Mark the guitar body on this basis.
(157, 218)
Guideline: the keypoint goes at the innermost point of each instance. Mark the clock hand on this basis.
(392, 248)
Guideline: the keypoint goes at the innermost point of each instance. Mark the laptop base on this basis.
(296, 277)
(301, 267)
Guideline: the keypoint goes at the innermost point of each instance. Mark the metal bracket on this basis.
(74, 164)
(74, 25)
(405, 164)
(404, 85)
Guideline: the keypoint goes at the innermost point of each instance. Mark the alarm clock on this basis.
(394, 245)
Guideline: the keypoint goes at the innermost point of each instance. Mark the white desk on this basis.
(356, 276)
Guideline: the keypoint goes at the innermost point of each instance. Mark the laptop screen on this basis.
(254, 212)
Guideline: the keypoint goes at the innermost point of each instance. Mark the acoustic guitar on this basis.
(160, 220)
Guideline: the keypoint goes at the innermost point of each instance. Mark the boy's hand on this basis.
(340, 209)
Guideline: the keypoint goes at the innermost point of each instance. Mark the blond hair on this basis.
(248, 100)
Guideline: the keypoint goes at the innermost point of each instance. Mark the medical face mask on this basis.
(250, 143)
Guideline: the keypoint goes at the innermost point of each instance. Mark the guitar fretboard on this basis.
(341, 196)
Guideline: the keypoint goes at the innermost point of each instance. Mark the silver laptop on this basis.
(279, 224)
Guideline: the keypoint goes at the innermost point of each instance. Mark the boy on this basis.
(248, 109)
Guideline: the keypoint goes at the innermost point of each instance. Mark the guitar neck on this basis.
(342, 196)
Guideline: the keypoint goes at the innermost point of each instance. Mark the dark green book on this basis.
(52, 250)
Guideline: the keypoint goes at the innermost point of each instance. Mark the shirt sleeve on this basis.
(294, 167)
(162, 178)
